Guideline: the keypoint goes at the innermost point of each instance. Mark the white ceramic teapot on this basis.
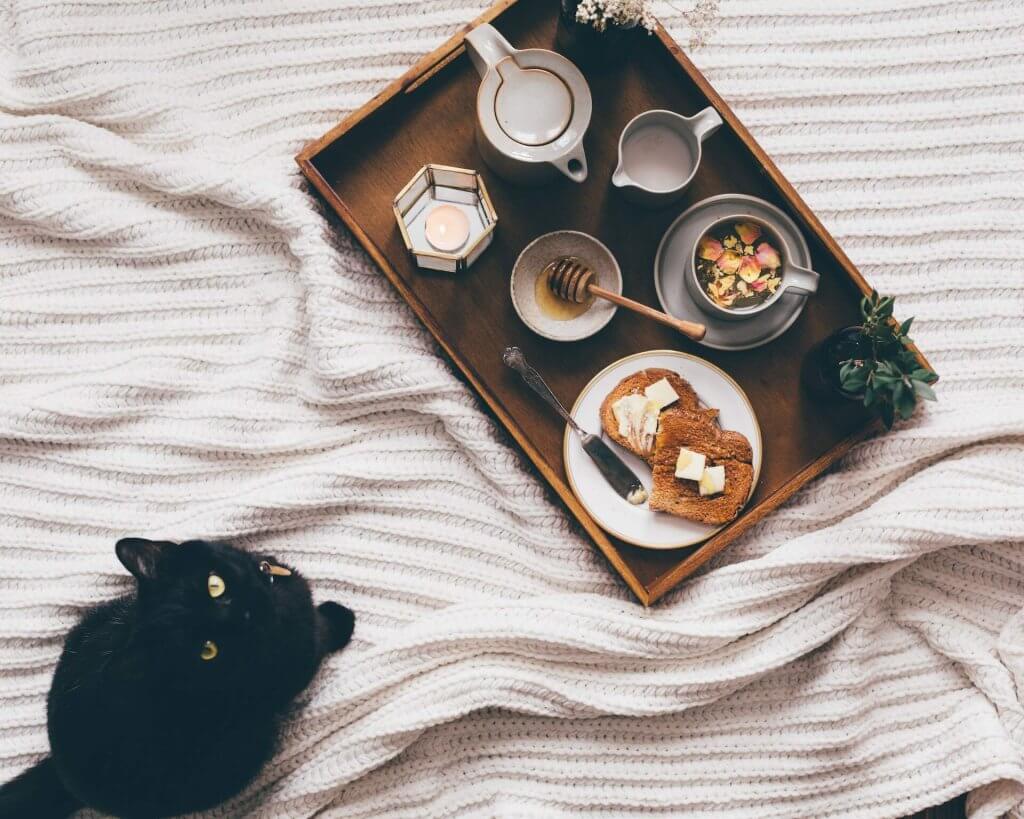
(533, 108)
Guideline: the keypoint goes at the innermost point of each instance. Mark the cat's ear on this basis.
(140, 556)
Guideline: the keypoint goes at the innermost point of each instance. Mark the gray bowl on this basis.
(534, 259)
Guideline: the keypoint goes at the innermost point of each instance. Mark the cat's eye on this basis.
(215, 585)
(209, 650)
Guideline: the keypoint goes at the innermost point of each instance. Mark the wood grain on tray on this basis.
(428, 116)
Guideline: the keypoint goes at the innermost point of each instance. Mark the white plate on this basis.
(640, 525)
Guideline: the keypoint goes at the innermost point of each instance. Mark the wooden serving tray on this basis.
(428, 115)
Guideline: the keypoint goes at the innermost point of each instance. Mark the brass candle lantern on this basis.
(446, 217)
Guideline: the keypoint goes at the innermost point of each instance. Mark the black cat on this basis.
(167, 701)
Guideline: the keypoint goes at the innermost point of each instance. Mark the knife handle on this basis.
(514, 358)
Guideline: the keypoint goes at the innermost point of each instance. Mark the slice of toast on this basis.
(635, 384)
(697, 431)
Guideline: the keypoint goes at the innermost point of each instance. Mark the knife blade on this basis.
(619, 476)
(615, 471)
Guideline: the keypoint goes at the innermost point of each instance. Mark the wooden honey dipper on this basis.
(570, 279)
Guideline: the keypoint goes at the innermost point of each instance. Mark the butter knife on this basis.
(619, 476)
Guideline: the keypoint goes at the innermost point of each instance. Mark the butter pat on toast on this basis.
(697, 431)
(635, 385)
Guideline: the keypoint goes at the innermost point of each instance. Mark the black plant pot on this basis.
(821, 366)
(588, 47)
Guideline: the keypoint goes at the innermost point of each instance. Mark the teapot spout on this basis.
(574, 165)
(486, 48)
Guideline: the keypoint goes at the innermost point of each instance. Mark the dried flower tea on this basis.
(737, 265)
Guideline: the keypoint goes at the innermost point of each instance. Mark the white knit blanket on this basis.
(190, 348)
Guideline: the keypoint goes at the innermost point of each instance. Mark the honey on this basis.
(553, 306)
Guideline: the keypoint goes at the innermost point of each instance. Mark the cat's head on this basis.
(210, 614)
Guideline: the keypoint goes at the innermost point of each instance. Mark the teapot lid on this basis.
(533, 106)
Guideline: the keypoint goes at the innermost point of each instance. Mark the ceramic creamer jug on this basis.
(659, 153)
(533, 108)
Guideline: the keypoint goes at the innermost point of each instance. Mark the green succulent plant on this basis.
(888, 376)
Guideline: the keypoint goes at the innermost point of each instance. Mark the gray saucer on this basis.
(673, 257)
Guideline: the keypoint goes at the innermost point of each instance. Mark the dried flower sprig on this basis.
(625, 13)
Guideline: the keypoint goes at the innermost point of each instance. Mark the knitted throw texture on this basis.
(188, 347)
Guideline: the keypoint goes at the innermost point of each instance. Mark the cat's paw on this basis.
(338, 623)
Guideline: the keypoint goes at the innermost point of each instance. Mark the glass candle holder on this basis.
(446, 217)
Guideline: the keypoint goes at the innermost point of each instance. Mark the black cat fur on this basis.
(141, 726)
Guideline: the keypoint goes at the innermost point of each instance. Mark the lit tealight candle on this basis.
(447, 228)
